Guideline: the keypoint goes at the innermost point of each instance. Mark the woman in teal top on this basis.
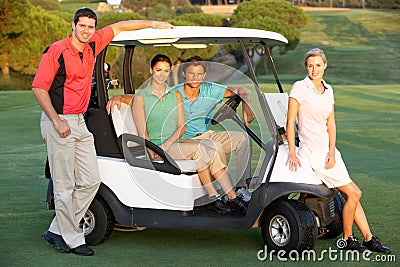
(159, 116)
(157, 111)
(162, 116)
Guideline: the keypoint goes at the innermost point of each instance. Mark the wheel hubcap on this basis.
(279, 230)
(86, 225)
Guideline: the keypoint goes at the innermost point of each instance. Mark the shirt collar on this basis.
(311, 85)
(148, 91)
(72, 48)
(201, 94)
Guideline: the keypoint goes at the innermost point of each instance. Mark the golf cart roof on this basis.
(197, 37)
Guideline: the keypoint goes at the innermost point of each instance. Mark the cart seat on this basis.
(124, 123)
(278, 103)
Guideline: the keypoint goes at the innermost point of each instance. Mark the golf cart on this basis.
(292, 209)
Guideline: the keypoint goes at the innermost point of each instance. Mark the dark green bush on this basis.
(48, 5)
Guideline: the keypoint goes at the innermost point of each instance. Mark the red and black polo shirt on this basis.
(67, 74)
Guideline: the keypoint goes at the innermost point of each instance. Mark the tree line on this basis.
(27, 27)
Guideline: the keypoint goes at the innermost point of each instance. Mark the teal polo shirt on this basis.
(161, 114)
(198, 112)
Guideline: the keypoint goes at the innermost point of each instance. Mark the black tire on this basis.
(289, 225)
(98, 222)
(335, 228)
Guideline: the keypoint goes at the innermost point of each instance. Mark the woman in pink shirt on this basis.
(311, 101)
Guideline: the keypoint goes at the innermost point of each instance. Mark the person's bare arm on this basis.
(44, 101)
(117, 100)
(180, 127)
(131, 25)
(139, 118)
(293, 108)
(244, 93)
(330, 157)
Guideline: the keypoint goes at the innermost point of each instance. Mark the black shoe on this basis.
(375, 245)
(82, 250)
(220, 207)
(353, 244)
(57, 241)
(238, 204)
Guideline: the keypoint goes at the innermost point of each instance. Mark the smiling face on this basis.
(160, 71)
(84, 29)
(315, 67)
(194, 75)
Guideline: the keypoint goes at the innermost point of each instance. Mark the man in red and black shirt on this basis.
(62, 87)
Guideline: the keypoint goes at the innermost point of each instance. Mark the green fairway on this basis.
(363, 53)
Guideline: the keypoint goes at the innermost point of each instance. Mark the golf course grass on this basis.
(363, 53)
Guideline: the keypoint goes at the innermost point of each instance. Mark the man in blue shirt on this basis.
(200, 98)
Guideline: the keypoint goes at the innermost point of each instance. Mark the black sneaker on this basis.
(220, 207)
(375, 245)
(83, 250)
(352, 244)
(238, 204)
(57, 241)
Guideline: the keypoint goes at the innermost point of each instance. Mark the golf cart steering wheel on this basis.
(227, 110)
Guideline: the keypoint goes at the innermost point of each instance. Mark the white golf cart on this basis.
(292, 209)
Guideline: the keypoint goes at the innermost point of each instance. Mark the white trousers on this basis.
(75, 174)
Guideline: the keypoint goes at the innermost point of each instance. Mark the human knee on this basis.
(358, 193)
(89, 183)
(218, 146)
(355, 194)
(218, 173)
(240, 140)
(216, 154)
(201, 155)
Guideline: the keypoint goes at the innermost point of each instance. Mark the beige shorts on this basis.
(334, 177)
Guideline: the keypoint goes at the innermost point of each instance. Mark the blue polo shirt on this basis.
(197, 113)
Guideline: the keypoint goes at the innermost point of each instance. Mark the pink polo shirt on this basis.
(314, 111)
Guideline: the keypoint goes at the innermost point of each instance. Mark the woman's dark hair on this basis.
(194, 61)
(85, 12)
(160, 58)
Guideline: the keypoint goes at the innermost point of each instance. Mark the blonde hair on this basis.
(315, 52)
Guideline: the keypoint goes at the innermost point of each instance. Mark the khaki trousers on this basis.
(204, 152)
(218, 144)
(75, 174)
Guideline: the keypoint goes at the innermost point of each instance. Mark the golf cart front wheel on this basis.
(289, 225)
(97, 223)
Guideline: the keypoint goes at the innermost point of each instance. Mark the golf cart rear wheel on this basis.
(289, 225)
(97, 223)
